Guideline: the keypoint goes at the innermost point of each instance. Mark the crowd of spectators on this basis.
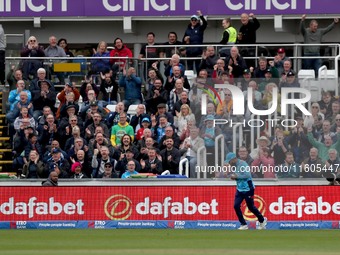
(83, 139)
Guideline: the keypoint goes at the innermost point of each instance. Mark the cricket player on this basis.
(244, 190)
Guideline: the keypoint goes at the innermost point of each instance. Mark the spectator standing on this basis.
(31, 49)
(194, 35)
(247, 34)
(229, 36)
(120, 50)
(148, 51)
(101, 65)
(132, 85)
(313, 35)
(109, 89)
(248, 28)
(62, 42)
(167, 52)
(53, 50)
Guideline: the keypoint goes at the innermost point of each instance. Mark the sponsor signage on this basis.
(94, 8)
(174, 204)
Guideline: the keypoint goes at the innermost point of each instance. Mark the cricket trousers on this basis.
(249, 197)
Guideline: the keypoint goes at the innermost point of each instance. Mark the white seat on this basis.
(57, 101)
(189, 73)
(190, 76)
(132, 109)
(111, 107)
(327, 74)
(306, 73)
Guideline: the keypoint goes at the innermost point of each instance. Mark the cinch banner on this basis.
(93, 8)
(204, 203)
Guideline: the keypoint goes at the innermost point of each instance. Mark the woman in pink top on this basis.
(264, 166)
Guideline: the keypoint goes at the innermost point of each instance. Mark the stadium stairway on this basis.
(6, 159)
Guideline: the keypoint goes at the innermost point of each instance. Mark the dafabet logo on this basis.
(118, 207)
(259, 203)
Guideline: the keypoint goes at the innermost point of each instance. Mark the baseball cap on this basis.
(145, 120)
(194, 17)
(94, 103)
(230, 156)
(268, 70)
(281, 50)
(246, 71)
(108, 164)
(209, 117)
(161, 105)
(290, 73)
(129, 150)
(70, 106)
(45, 81)
(56, 150)
(68, 84)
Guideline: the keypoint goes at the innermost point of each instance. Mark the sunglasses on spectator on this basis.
(32, 40)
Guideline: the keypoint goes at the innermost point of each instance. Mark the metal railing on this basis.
(185, 162)
(259, 50)
(240, 136)
(254, 130)
(202, 161)
(219, 151)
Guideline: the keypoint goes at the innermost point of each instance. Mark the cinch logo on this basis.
(259, 203)
(118, 207)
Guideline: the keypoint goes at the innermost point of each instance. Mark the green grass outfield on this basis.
(168, 241)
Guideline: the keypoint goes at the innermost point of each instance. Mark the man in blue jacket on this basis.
(244, 190)
(194, 35)
(132, 85)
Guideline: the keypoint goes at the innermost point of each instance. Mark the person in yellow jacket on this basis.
(229, 36)
(121, 129)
